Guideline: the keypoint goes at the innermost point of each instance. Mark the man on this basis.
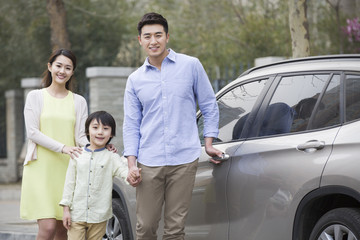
(160, 130)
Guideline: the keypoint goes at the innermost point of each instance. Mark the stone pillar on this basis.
(106, 92)
(14, 135)
(29, 84)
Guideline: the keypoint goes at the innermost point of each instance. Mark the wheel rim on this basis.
(337, 232)
(113, 229)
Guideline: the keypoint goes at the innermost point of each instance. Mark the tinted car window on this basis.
(292, 104)
(352, 88)
(234, 107)
(328, 111)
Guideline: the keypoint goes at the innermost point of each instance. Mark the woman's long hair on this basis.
(47, 78)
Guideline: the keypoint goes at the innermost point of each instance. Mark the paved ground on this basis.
(11, 226)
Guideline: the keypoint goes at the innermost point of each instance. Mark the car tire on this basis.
(117, 228)
(338, 224)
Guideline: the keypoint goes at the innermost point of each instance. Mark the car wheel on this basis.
(338, 224)
(117, 228)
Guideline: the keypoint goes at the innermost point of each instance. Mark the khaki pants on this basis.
(171, 185)
(88, 231)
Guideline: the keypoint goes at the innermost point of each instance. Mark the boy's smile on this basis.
(99, 135)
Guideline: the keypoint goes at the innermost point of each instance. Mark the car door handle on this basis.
(314, 144)
(222, 158)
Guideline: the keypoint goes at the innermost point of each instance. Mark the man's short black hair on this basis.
(152, 18)
(105, 119)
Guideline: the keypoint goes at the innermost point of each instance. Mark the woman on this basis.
(55, 126)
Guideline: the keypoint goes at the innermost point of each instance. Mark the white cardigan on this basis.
(32, 111)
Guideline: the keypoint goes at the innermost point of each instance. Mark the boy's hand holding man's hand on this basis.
(134, 176)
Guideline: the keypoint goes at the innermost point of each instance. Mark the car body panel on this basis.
(268, 177)
(208, 215)
(343, 167)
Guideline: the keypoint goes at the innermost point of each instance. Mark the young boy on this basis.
(87, 192)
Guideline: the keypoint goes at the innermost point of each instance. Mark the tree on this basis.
(352, 31)
(336, 6)
(57, 17)
(224, 33)
(299, 28)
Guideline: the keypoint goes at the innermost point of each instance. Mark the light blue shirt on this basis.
(160, 107)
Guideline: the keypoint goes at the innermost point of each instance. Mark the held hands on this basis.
(134, 176)
(67, 218)
(72, 151)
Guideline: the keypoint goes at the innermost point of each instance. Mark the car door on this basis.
(343, 169)
(282, 160)
(208, 214)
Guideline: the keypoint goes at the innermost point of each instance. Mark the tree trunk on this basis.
(299, 28)
(57, 16)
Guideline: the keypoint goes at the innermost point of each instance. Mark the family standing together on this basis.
(70, 160)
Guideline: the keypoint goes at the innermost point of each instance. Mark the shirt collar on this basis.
(89, 150)
(171, 56)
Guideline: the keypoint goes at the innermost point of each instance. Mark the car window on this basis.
(328, 111)
(292, 104)
(352, 89)
(234, 107)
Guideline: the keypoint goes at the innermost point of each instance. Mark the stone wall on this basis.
(14, 136)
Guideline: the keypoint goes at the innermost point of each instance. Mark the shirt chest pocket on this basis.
(181, 88)
(100, 174)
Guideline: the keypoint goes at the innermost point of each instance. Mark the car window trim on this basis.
(343, 104)
(261, 113)
(255, 108)
(317, 104)
(251, 120)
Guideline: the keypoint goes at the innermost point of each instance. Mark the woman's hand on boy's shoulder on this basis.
(73, 152)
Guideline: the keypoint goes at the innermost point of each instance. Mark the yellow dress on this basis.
(43, 179)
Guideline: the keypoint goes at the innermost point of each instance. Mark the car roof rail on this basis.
(303, 59)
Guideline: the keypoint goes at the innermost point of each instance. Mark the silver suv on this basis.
(292, 133)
